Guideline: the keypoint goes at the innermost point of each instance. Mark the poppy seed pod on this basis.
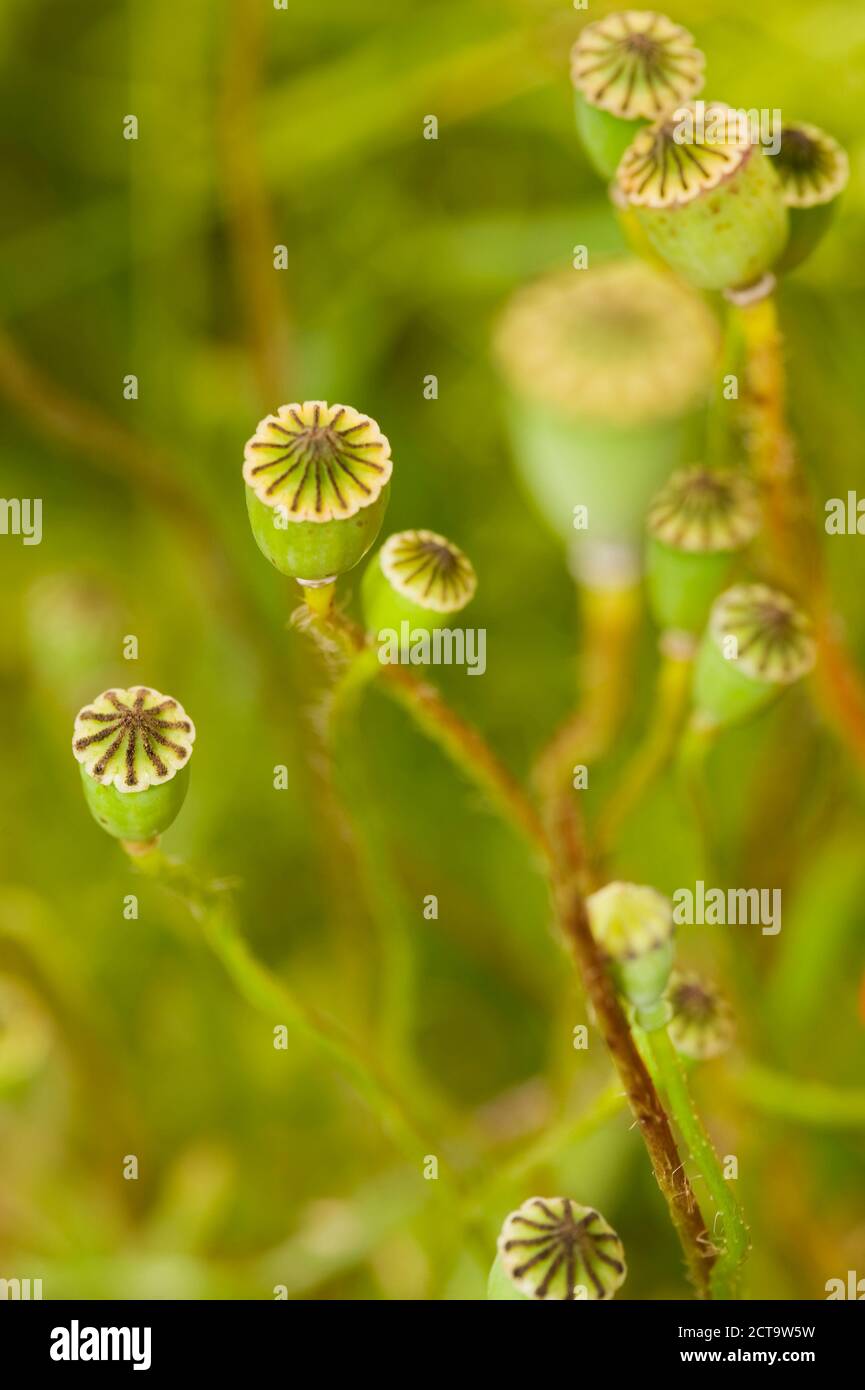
(417, 577)
(757, 642)
(709, 199)
(633, 925)
(701, 1020)
(695, 525)
(317, 483)
(813, 169)
(134, 748)
(627, 69)
(605, 370)
(553, 1248)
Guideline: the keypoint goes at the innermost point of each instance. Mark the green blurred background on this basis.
(260, 1167)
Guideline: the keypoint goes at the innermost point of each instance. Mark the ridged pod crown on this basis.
(318, 462)
(629, 920)
(133, 739)
(664, 168)
(620, 343)
(773, 637)
(553, 1248)
(705, 510)
(633, 926)
(813, 168)
(636, 64)
(701, 1022)
(428, 569)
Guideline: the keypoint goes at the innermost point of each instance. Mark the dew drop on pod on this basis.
(417, 577)
(317, 487)
(756, 644)
(633, 926)
(813, 169)
(628, 69)
(707, 197)
(553, 1248)
(605, 369)
(696, 524)
(134, 747)
(701, 1021)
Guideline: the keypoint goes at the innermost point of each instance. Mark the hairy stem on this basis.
(561, 849)
(462, 743)
(272, 997)
(733, 1240)
(642, 1096)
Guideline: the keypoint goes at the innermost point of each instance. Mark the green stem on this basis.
(720, 415)
(726, 1271)
(804, 1102)
(463, 745)
(694, 747)
(656, 749)
(547, 1147)
(272, 997)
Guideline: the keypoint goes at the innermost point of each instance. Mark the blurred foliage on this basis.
(260, 1167)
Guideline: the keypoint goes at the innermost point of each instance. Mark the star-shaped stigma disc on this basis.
(133, 739)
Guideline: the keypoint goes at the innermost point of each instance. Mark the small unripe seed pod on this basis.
(553, 1248)
(709, 199)
(756, 644)
(134, 748)
(630, 68)
(701, 1020)
(605, 370)
(813, 169)
(417, 577)
(633, 925)
(696, 524)
(317, 486)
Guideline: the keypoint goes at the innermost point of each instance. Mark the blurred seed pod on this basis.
(701, 1020)
(604, 369)
(629, 68)
(633, 926)
(709, 199)
(72, 624)
(553, 1248)
(317, 487)
(756, 644)
(134, 748)
(696, 524)
(814, 170)
(417, 577)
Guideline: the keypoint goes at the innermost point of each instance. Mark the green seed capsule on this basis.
(813, 169)
(553, 1248)
(710, 200)
(701, 1021)
(606, 369)
(630, 68)
(417, 577)
(134, 748)
(633, 925)
(696, 524)
(756, 644)
(317, 485)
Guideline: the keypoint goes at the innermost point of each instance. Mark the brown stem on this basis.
(610, 619)
(838, 688)
(648, 1111)
(561, 846)
(250, 218)
(467, 748)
